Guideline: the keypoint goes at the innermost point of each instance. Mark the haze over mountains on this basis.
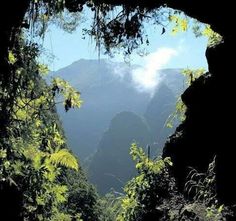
(114, 101)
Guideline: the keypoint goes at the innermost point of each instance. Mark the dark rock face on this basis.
(207, 130)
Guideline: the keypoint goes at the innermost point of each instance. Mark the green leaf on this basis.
(43, 69)
(3, 153)
(12, 59)
(71, 95)
(220, 209)
(65, 158)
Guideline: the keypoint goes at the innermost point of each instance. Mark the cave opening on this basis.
(136, 93)
(202, 136)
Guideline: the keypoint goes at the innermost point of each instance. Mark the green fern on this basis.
(65, 158)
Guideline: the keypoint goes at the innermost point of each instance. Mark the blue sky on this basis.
(172, 51)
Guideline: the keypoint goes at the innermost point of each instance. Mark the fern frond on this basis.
(65, 158)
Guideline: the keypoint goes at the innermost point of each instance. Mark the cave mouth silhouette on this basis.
(216, 90)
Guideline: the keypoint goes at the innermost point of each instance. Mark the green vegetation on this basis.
(180, 109)
(34, 157)
(127, 127)
(113, 150)
(111, 206)
(153, 195)
(148, 189)
(192, 74)
(181, 23)
(35, 162)
(82, 198)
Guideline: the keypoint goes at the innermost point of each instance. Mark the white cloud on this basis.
(147, 78)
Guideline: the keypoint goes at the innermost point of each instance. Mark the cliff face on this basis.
(207, 130)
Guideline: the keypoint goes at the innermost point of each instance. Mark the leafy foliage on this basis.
(178, 115)
(83, 202)
(180, 22)
(213, 37)
(180, 109)
(192, 74)
(111, 206)
(152, 194)
(11, 58)
(34, 154)
(72, 97)
(202, 188)
(114, 27)
(147, 189)
(64, 158)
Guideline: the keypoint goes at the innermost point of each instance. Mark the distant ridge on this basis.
(107, 89)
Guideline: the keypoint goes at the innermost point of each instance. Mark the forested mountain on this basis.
(113, 150)
(125, 128)
(107, 88)
(105, 94)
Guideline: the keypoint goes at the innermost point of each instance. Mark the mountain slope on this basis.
(107, 89)
(111, 165)
(105, 94)
(159, 109)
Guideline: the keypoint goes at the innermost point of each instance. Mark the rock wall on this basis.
(208, 130)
